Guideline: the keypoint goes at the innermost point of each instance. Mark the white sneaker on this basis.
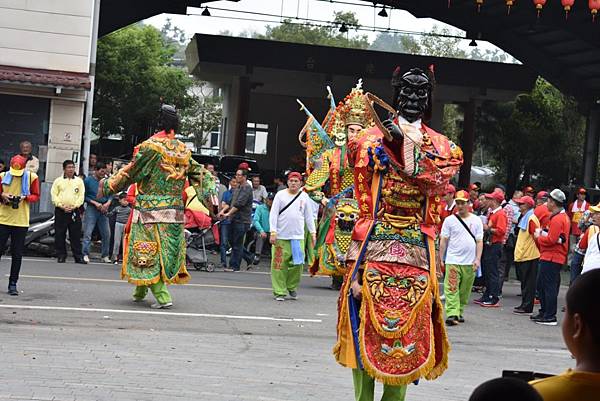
(279, 298)
(161, 306)
(86, 258)
(293, 295)
(106, 259)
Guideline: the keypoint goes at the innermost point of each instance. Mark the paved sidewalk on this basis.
(225, 339)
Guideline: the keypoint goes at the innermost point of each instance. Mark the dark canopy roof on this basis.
(565, 52)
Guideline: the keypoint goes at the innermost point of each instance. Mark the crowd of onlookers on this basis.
(537, 233)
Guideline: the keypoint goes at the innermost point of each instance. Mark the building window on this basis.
(256, 138)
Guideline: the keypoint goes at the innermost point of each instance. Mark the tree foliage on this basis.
(328, 35)
(535, 139)
(203, 115)
(134, 72)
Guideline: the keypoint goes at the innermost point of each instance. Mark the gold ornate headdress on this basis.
(353, 110)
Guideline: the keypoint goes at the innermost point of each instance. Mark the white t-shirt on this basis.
(461, 246)
(290, 224)
(591, 260)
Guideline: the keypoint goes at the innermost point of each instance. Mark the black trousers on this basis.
(64, 221)
(528, 271)
(17, 245)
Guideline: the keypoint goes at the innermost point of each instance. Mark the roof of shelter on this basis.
(564, 51)
(367, 64)
(52, 78)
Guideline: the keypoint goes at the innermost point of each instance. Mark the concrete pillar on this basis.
(242, 106)
(467, 141)
(592, 140)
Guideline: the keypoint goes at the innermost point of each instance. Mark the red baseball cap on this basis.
(497, 195)
(244, 166)
(17, 165)
(581, 191)
(541, 194)
(450, 189)
(295, 174)
(473, 187)
(526, 200)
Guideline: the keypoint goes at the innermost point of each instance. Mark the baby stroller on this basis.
(196, 241)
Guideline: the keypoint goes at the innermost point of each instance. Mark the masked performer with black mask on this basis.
(390, 323)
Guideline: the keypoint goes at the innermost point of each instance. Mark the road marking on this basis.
(145, 312)
(105, 280)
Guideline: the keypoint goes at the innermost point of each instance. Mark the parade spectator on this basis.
(2, 166)
(92, 163)
(240, 214)
(261, 223)
(495, 228)
(109, 168)
(220, 187)
(122, 212)
(474, 196)
(95, 214)
(575, 212)
(33, 163)
(505, 389)
(581, 334)
(279, 183)
(67, 196)
(447, 206)
(526, 254)
(259, 192)
(508, 251)
(541, 209)
(482, 209)
(590, 243)
(225, 224)
(288, 217)
(553, 243)
(529, 191)
(461, 244)
(579, 253)
(18, 189)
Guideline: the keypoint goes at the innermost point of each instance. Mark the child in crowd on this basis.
(581, 332)
(122, 211)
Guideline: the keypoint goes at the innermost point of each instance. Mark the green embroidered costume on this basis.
(154, 245)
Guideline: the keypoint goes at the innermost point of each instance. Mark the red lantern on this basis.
(479, 4)
(567, 4)
(509, 4)
(594, 7)
(539, 4)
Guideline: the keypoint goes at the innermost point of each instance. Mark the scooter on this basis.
(40, 235)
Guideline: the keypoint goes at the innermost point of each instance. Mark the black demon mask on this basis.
(412, 94)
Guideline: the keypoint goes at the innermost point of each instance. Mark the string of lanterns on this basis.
(593, 5)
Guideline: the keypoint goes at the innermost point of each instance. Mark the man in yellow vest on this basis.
(527, 255)
(19, 188)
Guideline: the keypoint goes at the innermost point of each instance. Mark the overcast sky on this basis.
(311, 9)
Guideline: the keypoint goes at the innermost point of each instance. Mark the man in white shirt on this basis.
(259, 192)
(461, 244)
(289, 214)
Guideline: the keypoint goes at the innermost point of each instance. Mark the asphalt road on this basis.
(74, 334)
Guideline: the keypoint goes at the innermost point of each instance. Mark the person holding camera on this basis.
(553, 241)
(67, 196)
(19, 188)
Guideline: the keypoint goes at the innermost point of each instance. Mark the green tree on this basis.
(134, 73)
(534, 139)
(430, 44)
(203, 115)
(328, 35)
